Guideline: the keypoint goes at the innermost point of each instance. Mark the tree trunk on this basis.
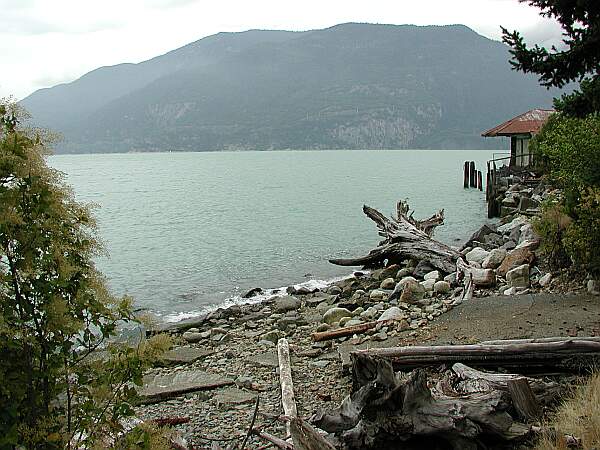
(405, 238)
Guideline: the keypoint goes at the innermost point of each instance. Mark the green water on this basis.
(189, 230)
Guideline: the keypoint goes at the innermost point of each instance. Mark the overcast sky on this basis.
(47, 42)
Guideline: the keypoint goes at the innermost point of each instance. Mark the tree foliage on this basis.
(55, 309)
(568, 151)
(578, 61)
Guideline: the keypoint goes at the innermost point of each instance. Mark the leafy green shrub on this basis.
(582, 238)
(568, 151)
(551, 226)
(55, 309)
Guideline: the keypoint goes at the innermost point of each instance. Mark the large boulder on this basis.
(528, 234)
(483, 277)
(517, 222)
(519, 276)
(334, 315)
(526, 203)
(412, 292)
(515, 258)
(479, 235)
(285, 304)
(477, 255)
(494, 259)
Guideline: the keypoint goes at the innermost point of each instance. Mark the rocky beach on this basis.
(223, 370)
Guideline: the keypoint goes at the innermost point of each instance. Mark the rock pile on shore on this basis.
(225, 359)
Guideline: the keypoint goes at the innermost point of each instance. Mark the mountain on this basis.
(348, 86)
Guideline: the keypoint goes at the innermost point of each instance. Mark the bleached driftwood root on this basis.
(405, 238)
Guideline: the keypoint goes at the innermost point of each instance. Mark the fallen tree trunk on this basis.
(405, 237)
(391, 411)
(569, 355)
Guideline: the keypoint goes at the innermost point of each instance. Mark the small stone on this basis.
(192, 337)
(353, 322)
(545, 280)
(510, 291)
(321, 363)
(393, 313)
(344, 320)
(377, 294)
(441, 287)
(334, 290)
(358, 311)
(519, 276)
(388, 283)
(428, 284)
(433, 275)
(335, 314)
(271, 336)
(323, 327)
(405, 272)
(381, 336)
(593, 287)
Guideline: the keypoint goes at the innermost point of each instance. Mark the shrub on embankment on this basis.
(568, 153)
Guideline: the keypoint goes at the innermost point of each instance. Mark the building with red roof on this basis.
(521, 129)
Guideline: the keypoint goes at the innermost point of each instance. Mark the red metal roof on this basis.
(529, 122)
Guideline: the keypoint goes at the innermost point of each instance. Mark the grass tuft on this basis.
(577, 416)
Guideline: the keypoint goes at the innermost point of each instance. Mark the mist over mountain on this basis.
(351, 86)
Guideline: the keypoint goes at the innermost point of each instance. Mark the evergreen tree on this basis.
(579, 61)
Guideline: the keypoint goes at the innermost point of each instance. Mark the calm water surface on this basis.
(189, 230)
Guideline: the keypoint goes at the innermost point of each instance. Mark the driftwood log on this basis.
(285, 380)
(396, 411)
(574, 355)
(405, 238)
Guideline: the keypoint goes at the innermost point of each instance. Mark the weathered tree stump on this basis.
(390, 408)
(405, 238)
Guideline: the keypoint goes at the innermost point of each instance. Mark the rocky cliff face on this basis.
(350, 86)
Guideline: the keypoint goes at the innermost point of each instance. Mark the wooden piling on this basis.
(472, 175)
(466, 175)
(479, 180)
